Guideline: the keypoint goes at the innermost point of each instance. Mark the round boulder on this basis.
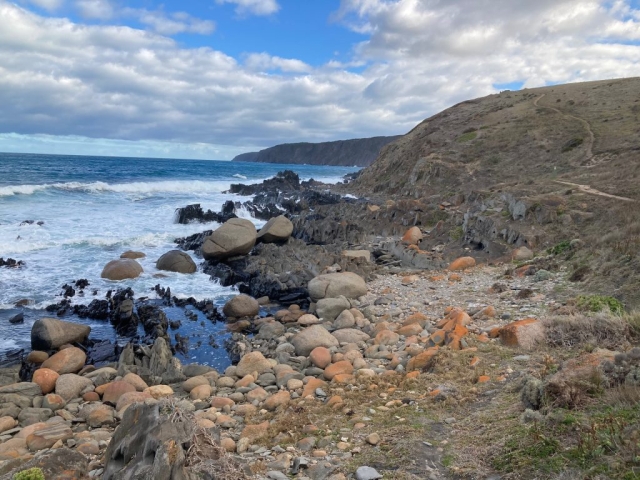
(241, 306)
(69, 360)
(235, 237)
(121, 269)
(311, 337)
(252, 362)
(522, 253)
(50, 334)
(412, 236)
(276, 230)
(332, 285)
(133, 254)
(176, 261)
(46, 378)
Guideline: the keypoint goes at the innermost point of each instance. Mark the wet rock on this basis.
(176, 261)
(195, 213)
(121, 269)
(133, 255)
(19, 318)
(50, 333)
(235, 237)
(276, 230)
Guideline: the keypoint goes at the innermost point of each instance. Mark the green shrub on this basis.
(456, 233)
(467, 137)
(571, 144)
(598, 303)
(31, 474)
(560, 248)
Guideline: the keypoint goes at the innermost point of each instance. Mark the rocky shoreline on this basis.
(340, 299)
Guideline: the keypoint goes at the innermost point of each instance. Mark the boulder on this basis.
(311, 337)
(412, 236)
(46, 378)
(69, 360)
(350, 335)
(462, 263)
(96, 415)
(241, 306)
(344, 320)
(329, 309)
(332, 285)
(525, 333)
(320, 357)
(71, 386)
(48, 435)
(252, 362)
(355, 254)
(342, 367)
(235, 237)
(276, 230)
(51, 334)
(121, 269)
(115, 390)
(133, 255)
(132, 397)
(521, 254)
(176, 261)
(55, 464)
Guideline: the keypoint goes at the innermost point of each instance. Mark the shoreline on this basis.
(324, 384)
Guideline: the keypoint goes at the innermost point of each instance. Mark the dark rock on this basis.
(19, 318)
(148, 444)
(11, 263)
(97, 309)
(50, 333)
(195, 213)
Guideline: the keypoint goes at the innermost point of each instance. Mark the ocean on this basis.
(67, 216)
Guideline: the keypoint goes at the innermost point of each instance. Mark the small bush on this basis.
(560, 248)
(598, 303)
(602, 329)
(31, 474)
(456, 233)
(571, 144)
(467, 137)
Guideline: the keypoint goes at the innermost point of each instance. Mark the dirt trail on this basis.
(588, 155)
(592, 138)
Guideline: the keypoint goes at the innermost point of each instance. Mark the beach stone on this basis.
(121, 269)
(138, 383)
(271, 330)
(71, 386)
(31, 415)
(462, 263)
(350, 335)
(201, 392)
(7, 423)
(276, 230)
(320, 357)
(521, 254)
(12, 449)
(412, 236)
(176, 261)
(257, 395)
(159, 391)
(46, 378)
(51, 334)
(311, 337)
(37, 357)
(133, 255)
(228, 444)
(308, 319)
(25, 389)
(332, 285)
(329, 309)
(53, 402)
(130, 398)
(241, 306)
(356, 254)
(342, 367)
(344, 320)
(69, 360)
(367, 473)
(386, 337)
(252, 362)
(235, 237)
(525, 333)
(194, 382)
(48, 435)
(115, 390)
(91, 397)
(276, 400)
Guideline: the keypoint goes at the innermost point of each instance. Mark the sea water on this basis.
(92, 209)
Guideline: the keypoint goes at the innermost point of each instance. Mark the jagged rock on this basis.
(147, 445)
(235, 237)
(176, 261)
(332, 285)
(276, 230)
(50, 333)
(195, 213)
(121, 269)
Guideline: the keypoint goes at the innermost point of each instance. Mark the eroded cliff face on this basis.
(359, 152)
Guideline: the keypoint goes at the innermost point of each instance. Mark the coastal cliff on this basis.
(360, 152)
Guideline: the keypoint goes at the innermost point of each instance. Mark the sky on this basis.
(214, 78)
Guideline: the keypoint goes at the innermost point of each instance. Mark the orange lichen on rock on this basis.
(525, 333)
(462, 263)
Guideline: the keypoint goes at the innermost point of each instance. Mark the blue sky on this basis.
(210, 79)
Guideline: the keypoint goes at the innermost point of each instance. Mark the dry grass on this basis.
(601, 330)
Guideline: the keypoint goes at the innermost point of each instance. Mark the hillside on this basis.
(359, 152)
(538, 167)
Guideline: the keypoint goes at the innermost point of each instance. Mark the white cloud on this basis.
(253, 7)
(171, 24)
(95, 9)
(58, 77)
